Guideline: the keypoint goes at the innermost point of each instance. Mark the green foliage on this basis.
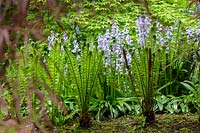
(71, 104)
(113, 107)
(172, 104)
(180, 72)
(81, 83)
(84, 73)
(170, 10)
(194, 98)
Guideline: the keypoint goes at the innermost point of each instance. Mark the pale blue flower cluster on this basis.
(193, 35)
(53, 37)
(76, 46)
(65, 37)
(159, 26)
(169, 34)
(112, 43)
(143, 23)
(163, 36)
(51, 40)
(190, 34)
(169, 37)
(159, 36)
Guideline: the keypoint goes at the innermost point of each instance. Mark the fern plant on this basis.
(83, 73)
(144, 76)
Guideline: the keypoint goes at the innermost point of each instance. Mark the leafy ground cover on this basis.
(103, 61)
(165, 123)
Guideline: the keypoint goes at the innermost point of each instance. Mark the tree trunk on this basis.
(85, 120)
(148, 113)
(199, 118)
(150, 117)
(148, 102)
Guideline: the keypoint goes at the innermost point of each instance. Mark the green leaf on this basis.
(175, 107)
(183, 108)
(120, 108)
(187, 86)
(162, 99)
(164, 86)
(137, 109)
(169, 108)
(160, 106)
(128, 106)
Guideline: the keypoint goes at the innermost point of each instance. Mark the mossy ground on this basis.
(165, 123)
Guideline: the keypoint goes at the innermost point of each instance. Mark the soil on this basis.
(165, 123)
